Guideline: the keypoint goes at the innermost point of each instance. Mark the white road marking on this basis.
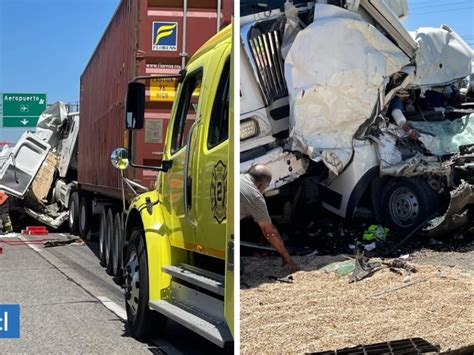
(9, 235)
(32, 246)
(114, 307)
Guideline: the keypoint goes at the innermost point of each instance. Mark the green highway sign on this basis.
(22, 110)
(19, 122)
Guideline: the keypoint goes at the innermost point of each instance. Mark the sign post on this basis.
(22, 110)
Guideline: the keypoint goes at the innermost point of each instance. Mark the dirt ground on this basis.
(321, 311)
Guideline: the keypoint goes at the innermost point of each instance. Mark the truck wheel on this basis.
(74, 213)
(85, 217)
(110, 242)
(142, 321)
(117, 250)
(407, 202)
(103, 236)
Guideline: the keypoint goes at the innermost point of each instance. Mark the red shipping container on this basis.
(144, 37)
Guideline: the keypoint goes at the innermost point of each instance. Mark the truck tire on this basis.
(103, 236)
(85, 217)
(110, 237)
(117, 250)
(141, 320)
(407, 202)
(74, 213)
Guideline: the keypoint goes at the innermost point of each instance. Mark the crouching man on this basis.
(252, 204)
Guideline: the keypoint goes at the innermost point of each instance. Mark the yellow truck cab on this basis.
(178, 244)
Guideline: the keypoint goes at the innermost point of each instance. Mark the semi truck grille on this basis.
(264, 50)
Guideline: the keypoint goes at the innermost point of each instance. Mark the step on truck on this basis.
(176, 251)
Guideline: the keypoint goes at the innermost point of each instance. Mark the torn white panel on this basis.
(388, 152)
(4, 154)
(292, 26)
(54, 222)
(416, 166)
(456, 214)
(334, 71)
(50, 121)
(22, 164)
(392, 164)
(398, 7)
(67, 146)
(442, 57)
(446, 136)
(365, 158)
(285, 166)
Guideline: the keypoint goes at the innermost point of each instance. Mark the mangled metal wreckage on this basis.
(40, 171)
(339, 95)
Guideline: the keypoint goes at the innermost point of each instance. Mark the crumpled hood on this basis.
(442, 56)
(335, 71)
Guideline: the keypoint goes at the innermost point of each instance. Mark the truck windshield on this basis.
(248, 7)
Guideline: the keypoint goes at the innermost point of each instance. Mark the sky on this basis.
(457, 14)
(45, 44)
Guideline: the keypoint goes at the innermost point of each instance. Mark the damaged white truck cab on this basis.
(317, 82)
(40, 171)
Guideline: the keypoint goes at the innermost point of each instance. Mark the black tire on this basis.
(85, 217)
(406, 203)
(74, 213)
(117, 250)
(141, 320)
(103, 236)
(110, 242)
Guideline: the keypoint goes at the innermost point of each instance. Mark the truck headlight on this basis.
(248, 129)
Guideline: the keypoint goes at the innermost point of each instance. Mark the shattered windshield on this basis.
(445, 137)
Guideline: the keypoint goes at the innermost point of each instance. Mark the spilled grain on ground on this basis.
(321, 311)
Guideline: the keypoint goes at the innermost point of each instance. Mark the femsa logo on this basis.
(165, 36)
(219, 191)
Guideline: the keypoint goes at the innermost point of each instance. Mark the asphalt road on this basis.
(70, 305)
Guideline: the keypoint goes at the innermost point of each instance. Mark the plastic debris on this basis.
(363, 267)
(342, 268)
(401, 264)
(376, 232)
(370, 247)
(287, 280)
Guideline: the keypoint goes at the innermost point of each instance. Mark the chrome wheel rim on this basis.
(83, 217)
(115, 250)
(71, 215)
(132, 282)
(404, 207)
(107, 242)
(102, 237)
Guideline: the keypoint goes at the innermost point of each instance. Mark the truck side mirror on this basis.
(119, 158)
(135, 109)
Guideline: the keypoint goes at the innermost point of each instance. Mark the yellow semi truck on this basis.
(177, 252)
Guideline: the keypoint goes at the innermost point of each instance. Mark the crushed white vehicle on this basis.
(346, 106)
(40, 171)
